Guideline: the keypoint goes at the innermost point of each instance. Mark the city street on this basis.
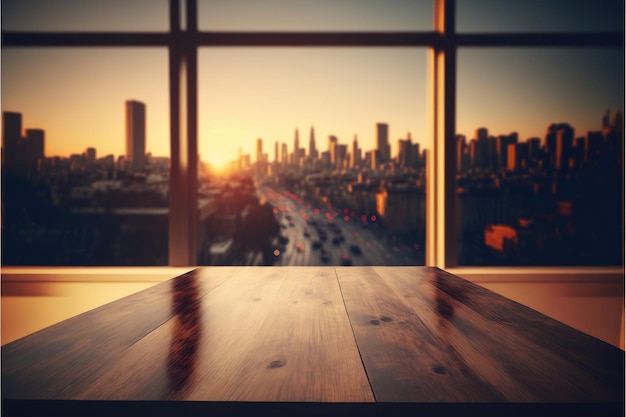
(323, 236)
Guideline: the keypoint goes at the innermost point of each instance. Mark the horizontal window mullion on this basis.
(538, 39)
(296, 39)
(23, 39)
(317, 38)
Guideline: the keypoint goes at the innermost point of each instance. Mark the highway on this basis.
(313, 230)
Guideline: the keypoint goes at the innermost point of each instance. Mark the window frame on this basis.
(183, 41)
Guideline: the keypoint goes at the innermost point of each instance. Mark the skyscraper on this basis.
(332, 149)
(296, 149)
(355, 155)
(382, 141)
(312, 149)
(564, 141)
(34, 147)
(11, 138)
(259, 150)
(91, 155)
(283, 152)
(136, 133)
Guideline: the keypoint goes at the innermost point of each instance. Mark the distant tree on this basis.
(258, 229)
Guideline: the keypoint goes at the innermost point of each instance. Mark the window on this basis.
(444, 45)
(539, 156)
(318, 16)
(73, 193)
(80, 16)
(334, 201)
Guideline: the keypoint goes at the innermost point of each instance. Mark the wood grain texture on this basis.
(372, 340)
(62, 359)
(276, 334)
(303, 351)
(428, 336)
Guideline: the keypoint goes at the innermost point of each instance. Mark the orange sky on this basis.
(77, 95)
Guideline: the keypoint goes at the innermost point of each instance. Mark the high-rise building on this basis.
(284, 154)
(355, 155)
(481, 148)
(90, 153)
(312, 148)
(502, 147)
(11, 138)
(461, 151)
(534, 145)
(341, 152)
(593, 146)
(259, 150)
(332, 145)
(406, 152)
(550, 145)
(382, 142)
(564, 142)
(34, 147)
(296, 148)
(136, 133)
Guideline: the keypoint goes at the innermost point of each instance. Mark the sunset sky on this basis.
(77, 94)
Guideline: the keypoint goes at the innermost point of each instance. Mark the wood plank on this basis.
(419, 345)
(57, 361)
(166, 364)
(526, 355)
(403, 358)
(305, 350)
(268, 335)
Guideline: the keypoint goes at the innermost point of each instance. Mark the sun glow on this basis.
(217, 165)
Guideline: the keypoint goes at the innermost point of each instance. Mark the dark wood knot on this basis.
(276, 364)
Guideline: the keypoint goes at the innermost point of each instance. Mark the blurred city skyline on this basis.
(77, 95)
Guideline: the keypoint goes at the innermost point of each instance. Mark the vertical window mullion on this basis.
(441, 245)
(184, 139)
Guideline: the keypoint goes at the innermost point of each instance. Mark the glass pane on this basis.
(353, 190)
(540, 16)
(85, 156)
(540, 156)
(85, 15)
(319, 15)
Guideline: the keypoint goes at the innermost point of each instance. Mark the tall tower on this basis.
(34, 147)
(382, 141)
(312, 149)
(332, 148)
(355, 155)
(564, 141)
(482, 148)
(136, 133)
(259, 150)
(11, 138)
(296, 148)
(283, 152)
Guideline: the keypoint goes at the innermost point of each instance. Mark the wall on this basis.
(588, 299)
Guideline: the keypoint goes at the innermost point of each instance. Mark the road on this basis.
(348, 239)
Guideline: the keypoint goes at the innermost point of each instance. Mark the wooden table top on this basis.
(332, 340)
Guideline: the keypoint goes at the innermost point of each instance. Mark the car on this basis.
(325, 254)
(355, 249)
(345, 259)
(317, 244)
